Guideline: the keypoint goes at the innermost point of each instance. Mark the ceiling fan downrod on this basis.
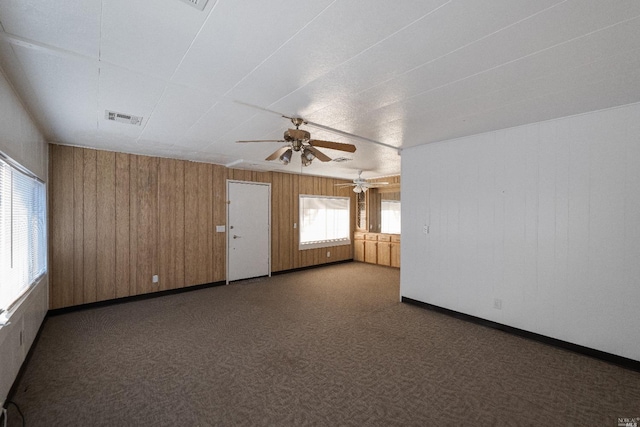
(297, 121)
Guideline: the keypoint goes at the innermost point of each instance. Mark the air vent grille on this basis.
(122, 118)
(198, 4)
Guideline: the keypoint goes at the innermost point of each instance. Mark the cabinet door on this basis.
(358, 250)
(384, 253)
(371, 251)
(395, 254)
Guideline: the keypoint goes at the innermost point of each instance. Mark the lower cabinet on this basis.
(384, 249)
(395, 251)
(358, 246)
(371, 248)
(376, 248)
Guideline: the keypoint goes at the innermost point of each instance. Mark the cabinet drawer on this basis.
(358, 236)
(370, 236)
(384, 238)
(395, 238)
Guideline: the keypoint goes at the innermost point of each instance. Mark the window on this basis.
(390, 212)
(324, 221)
(23, 243)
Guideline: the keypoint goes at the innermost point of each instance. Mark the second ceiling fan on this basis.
(300, 141)
(361, 185)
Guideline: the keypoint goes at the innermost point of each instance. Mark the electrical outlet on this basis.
(497, 304)
(328, 254)
(155, 278)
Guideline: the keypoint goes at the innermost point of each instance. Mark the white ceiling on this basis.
(403, 73)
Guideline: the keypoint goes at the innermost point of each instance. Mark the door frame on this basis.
(228, 243)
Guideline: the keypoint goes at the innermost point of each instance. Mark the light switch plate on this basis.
(220, 228)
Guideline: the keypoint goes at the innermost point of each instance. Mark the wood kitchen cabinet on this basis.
(376, 248)
(384, 249)
(371, 248)
(395, 250)
(358, 246)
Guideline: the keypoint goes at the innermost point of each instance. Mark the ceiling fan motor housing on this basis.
(296, 135)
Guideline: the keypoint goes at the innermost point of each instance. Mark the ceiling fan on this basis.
(299, 140)
(361, 185)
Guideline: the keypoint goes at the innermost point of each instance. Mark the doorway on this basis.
(249, 230)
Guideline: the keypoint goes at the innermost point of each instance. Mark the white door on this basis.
(249, 230)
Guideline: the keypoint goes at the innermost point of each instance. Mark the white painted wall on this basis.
(545, 217)
(22, 141)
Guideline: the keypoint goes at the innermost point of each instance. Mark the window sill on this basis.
(316, 245)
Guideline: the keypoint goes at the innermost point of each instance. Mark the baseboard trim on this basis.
(587, 351)
(25, 362)
(122, 300)
(63, 310)
(309, 267)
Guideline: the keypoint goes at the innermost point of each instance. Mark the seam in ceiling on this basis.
(98, 92)
(364, 51)
(280, 47)
(175, 70)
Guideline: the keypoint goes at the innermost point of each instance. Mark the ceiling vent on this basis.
(198, 4)
(122, 118)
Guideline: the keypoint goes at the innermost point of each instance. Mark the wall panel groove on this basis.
(133, 223)
(105, 225)
(90, 249)
(123, 230)
(61, 227)
(78, 224)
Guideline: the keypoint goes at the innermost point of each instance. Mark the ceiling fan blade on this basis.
(377, 184)
(351, 135)
(350, 148)
(319, 155)
(345, 185)
(264, 140)
(279, 152)
(260, 108)
(293, 119)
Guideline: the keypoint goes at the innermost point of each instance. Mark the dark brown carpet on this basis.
(328, 346)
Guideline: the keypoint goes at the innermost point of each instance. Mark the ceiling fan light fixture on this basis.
(357, 189)
(307, 157)
(285, 158)
(308, 154)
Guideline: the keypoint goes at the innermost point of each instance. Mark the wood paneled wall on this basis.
(117, 219)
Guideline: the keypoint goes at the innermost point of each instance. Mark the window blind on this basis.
(390, 212)
(23, 253)
(324, 221)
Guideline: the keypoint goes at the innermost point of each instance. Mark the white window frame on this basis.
(22, 261)
(326, 242)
